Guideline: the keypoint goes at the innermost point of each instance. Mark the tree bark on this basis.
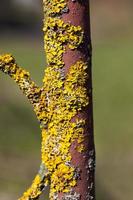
(63, 105)
(70, 21)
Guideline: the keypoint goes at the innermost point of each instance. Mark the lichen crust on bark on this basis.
(63, 105)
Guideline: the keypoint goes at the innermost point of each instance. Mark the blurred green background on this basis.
(112, 39)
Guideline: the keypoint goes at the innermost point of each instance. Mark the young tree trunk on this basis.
(68, 49)
(63, 105)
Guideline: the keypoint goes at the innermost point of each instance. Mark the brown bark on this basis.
(79, 15)
(64, 104)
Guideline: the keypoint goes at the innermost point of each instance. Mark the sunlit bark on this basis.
(63, 105)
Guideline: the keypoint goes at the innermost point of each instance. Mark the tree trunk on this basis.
(63, 105)
(68, 51)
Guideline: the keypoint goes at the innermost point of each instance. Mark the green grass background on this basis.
(113, 109)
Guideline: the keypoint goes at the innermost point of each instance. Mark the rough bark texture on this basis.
(63, 105)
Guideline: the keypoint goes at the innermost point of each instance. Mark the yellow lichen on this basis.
(35, 190)
(64, 103)
(55, 7)
(57, 103)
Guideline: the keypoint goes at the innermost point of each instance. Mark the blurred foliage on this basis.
(113, 111)
(14, 16)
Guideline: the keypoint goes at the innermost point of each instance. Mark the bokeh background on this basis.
(112, 39)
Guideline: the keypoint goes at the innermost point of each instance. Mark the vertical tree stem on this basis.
(68, 49)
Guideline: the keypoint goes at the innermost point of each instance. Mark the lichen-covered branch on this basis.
(63, 105)
(21, 77)
(35, 96)
(39, 184)
(68, 151)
